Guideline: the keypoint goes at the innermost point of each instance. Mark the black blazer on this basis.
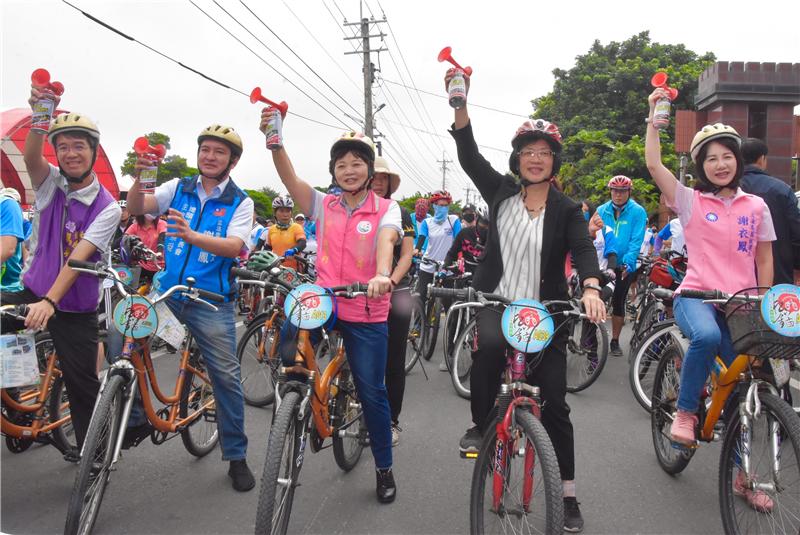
(565, 230)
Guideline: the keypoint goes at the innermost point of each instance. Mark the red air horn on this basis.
(445, 55)
(256, 96)
(143, 147)
(41, 79)
(659, 79)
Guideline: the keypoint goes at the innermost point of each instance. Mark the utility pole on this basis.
(468, 191)
(444, 163)
(368, 68)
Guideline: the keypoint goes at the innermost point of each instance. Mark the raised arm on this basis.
(300, 191)
(662, 176)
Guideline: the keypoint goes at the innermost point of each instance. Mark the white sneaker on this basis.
(395, 434)
(443, 366)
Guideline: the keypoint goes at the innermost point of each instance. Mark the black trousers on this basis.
(399, 322)
(550, 376)
(75, 337)
(621, 289)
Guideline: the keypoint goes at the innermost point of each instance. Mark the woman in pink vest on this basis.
(356, 234)
(728, 235)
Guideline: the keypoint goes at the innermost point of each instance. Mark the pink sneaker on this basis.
(682, 429)
(758, 499)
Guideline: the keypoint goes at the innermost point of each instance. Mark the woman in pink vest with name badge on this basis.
(356, 234)
(728, 237)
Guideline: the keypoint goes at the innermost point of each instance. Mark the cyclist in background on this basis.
(152, 231)
(259, 226)
(629, 220)
(356, 233)
(421, 208)
(730, 234)
(285, 238)
(12, 235)
(385, 184)
(533, 226)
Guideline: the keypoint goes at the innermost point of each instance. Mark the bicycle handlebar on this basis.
(86, 265)
(211, 296)
(704, 294)
(248, 275)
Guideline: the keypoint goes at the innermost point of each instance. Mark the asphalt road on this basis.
(163, 489)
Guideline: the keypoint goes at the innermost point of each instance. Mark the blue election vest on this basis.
(212, 272)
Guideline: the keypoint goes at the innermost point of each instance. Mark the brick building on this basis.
(758, 100)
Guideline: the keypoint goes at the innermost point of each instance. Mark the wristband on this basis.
(52, 303)
(593, 287)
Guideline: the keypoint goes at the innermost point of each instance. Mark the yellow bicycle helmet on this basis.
(72, 122)
(223, 133)
(710, 132)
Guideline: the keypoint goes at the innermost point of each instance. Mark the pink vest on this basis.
(346, 254)
(721, 243)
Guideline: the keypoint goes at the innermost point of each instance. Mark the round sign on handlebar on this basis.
(308, 306)
(527, 325)
(780, 309)
(136, 317)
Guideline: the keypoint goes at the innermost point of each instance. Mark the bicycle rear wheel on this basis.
(653, 313)
(666, 388)
(202, 435)
(95, 465)
(281, 468)
(643, 365)
(415, 333)
(587, 353)
(346, 408)
(767, 498)
(461, 367)
(259, 360)
(524, 495)
(432, 319)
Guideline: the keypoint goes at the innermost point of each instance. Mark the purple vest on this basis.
(67, 222)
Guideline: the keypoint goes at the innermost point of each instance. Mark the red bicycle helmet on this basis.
(438, 195)
(620, 182)
(530, 131)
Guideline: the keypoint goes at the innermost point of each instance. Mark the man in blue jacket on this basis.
(628, 219)
(782, 205)
(209, 222)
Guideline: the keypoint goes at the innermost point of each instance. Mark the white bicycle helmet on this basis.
(282, 201)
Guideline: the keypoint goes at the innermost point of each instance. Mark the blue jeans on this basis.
(215, 334)
(366, 345)
(709, 336)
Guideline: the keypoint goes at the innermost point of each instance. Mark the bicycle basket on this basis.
(752, 336)
(660, 274)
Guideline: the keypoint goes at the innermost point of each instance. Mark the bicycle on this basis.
(664, 275)
(189, 411)
(661, 337)
(37, 413)
(416, 332)
(588, 343)
(760, 455)
(516, 482)
(324, 405)
(434, 308)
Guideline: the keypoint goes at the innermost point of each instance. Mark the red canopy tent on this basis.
(14, 126)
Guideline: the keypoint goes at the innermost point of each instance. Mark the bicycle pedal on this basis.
(469, 454)
(684, 447)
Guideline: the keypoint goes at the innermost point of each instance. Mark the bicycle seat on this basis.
(663, 294)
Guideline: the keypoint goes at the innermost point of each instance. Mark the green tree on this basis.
(600, 105)
(261, 201)
(173, 166)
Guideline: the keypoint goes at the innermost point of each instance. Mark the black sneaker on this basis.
(616, 351)
(385, 487)
(471, 441)
(241, 475)
(72, 455)
(135, 435)
(573, 521)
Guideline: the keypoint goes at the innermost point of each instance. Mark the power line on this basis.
(268, 64)
(471, 103)
(173, 60)
(295, 54)
(325, 50)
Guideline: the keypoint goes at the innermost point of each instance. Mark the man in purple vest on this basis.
(75, 219)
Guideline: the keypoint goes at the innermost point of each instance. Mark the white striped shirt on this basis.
(520, 249)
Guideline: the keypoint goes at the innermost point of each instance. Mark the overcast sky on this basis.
(513, 47)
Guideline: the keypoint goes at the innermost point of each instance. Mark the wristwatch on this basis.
(593, 287)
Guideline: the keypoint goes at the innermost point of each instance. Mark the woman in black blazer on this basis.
(533, 227)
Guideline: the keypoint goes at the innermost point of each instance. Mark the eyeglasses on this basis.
(538, 154)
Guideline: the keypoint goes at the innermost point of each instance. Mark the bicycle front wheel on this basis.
(461, 367)
(98, 451)
(587, 353)
(643, 365)
(416, 330)
(666, 388)
(432, 320)
(347, 443)
(202, 435)
(281, 468)
(765, 499)
(516, 485)
(257, 353)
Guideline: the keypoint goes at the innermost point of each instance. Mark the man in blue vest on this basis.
(209, 221)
